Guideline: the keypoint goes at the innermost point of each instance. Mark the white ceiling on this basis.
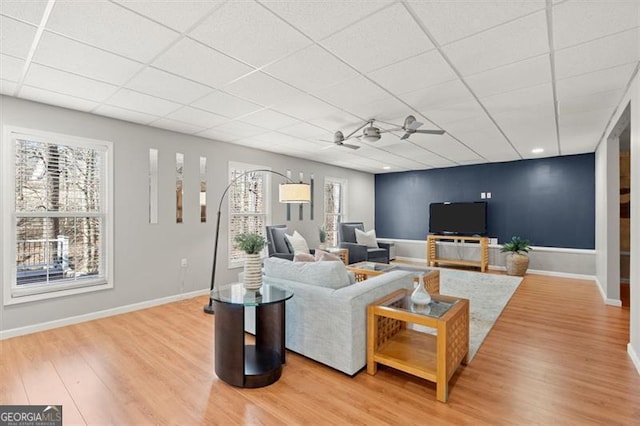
(500, 77)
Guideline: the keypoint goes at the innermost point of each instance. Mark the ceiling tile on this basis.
(269, 119)
(68, 84)
(488, 142)
(249, 32)
(15, 37)
(590, 102)
(445, 146)
(30, 11)
(125, 114)
(383, 109)
(518, 75)
(529, 128)
(239, 129)
(108, 26)
(606, 52)
(469, 125)
(52, 98)
(7, 87)
(10, 68)
(180, 16)
(440, 96)
(68, 55)
(311, 68)
(442, 115)
(337, 120)
(418, 72)
(594, 82)
(321, 18)
(226, 105)
(452, 20)
(305, 108)
(303, 131)
(508, 43)
(164, 85)
(581, 132)
(530, 97)
(352, 92)
(262, 89)
(218, 135)
(192, 60)
(367, 46)
(197, 117)
(129, 99)
(177, 126)
(580, 21)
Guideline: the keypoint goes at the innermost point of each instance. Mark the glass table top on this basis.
(236, 294)
(435, 309)
(372, 266)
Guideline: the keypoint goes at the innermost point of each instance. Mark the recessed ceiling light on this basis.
(386, 167)
(537, 150)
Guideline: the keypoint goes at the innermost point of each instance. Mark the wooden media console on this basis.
(432, 254)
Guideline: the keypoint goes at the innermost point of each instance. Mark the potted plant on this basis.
(322, 234)
(252, 245)
(517, 259)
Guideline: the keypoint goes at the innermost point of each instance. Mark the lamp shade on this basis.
(295, 193)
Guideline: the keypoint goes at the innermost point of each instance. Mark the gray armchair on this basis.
(277, 244)
(358, 252)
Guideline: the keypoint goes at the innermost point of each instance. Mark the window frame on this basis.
(12, 294)
(236, 165)
(343, 197)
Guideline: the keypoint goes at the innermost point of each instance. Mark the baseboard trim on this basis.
(634, 357)
(530, 271)
(20, 331)
(607, 301)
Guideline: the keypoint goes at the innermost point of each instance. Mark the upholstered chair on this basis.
(359, 252)
(277, 242)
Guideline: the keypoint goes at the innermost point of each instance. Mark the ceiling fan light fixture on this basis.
(371, 138)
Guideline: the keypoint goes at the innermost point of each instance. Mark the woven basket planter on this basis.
(517, 264)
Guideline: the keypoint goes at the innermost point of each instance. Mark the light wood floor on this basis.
(557, 355)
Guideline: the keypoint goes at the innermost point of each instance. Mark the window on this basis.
(58, 235)
(334, 211)
(248, 205)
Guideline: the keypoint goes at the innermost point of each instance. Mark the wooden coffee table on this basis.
(432, 357)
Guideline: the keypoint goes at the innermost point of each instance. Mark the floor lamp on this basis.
(289, 193)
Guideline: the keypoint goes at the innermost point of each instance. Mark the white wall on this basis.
(632, 97)
(147, 257)
(608, 219)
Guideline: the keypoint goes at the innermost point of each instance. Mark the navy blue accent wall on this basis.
(549, 201)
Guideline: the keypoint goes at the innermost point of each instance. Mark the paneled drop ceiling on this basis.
(500, 77)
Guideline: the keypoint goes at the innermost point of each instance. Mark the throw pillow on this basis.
(367, 238)
(323, 256)
(298, 243)
(303, 257)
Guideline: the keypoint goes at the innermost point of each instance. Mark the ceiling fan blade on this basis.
(414, 125)
(405, 136)
(431, 132)
(348, 145)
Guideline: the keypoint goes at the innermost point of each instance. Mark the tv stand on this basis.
(433, 260)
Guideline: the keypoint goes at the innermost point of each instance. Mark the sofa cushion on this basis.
(321, 256)
(303, 257)
(322, 274)
(367, 238)
(298, 242)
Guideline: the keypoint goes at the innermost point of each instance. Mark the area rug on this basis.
(488, 294)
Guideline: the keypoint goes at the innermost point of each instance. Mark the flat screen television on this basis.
(458, 218)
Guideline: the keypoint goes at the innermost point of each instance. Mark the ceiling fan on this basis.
(370, 133)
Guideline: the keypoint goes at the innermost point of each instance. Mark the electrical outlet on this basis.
(488, 195)
(184, 263)
(483, 195)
